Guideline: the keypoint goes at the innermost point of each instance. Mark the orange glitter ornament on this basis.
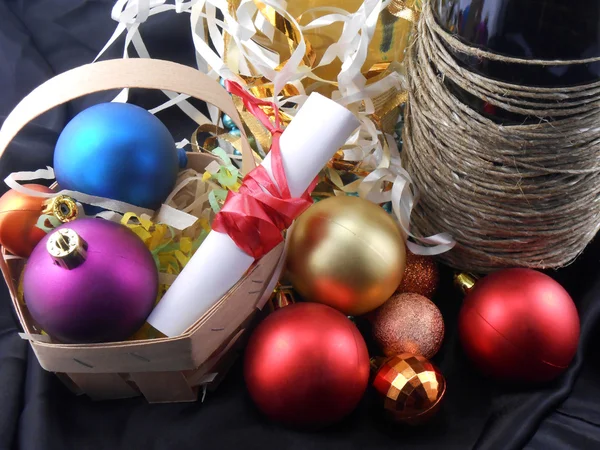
(412, 388)
(421, 275)
(408, 323)
(19, 214)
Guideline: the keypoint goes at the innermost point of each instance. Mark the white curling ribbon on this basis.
(351, 79)
(34, 337)
(202, 191)
(242, 30)
(166, 214)
(175, 218)
(351, 49)
(264, 26)
(182, 143)
(403, 201)
(391, 81)
(111, 216)
(209, 61)
(364, 21)
(130, 14)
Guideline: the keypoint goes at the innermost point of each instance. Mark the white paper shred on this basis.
(166, 214)
(210, 20)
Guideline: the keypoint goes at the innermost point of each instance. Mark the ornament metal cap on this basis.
(62, 207)
(465, 282)
(375, 363)
(67, 248)
(282, 296)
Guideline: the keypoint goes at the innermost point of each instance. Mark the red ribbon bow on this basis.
(255, 216)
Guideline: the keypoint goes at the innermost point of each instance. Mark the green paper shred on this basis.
(45, 219)
(227, 176)
(214, 197)
(221, 154)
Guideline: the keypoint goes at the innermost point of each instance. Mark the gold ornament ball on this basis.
(408, 323)
(421, 275)
(411, 387)
(347, 253)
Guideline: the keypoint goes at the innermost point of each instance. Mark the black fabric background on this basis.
(41, 38)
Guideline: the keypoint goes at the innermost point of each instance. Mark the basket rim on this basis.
(119, 344)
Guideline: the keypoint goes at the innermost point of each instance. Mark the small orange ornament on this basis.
(412, 388)
(421, 275)
(19, 214)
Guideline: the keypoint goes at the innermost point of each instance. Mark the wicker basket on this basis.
(163, 369)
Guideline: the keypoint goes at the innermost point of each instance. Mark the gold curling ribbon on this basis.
(254, 128)
(206, 128)
(286, 38)
(407, 10)
(289, 35)
(213, 130)
(340, 176)
(386, 115)
(216, 133)
(261, 87)
(387, 104)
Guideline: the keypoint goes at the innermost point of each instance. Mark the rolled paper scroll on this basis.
(318, 130)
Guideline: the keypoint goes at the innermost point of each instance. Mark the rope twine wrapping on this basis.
(511, 195)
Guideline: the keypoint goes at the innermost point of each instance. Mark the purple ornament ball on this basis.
(90, 280)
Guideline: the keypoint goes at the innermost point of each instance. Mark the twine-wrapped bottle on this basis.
(501, 135)
(530, 29)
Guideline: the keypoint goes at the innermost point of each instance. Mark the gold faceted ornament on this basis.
(412, 388)
(346, 252)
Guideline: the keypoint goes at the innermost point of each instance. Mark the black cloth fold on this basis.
(40, 38)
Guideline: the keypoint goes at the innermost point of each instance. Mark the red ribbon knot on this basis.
(256, 215)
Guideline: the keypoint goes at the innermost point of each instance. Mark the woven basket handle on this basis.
(119, 74)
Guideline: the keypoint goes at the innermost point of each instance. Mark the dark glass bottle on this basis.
(529, 29)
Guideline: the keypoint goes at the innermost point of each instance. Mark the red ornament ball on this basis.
(519, 325)
(306, 365)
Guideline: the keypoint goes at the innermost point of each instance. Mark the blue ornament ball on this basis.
(118, 151)
(228, 122)
(182, 157)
